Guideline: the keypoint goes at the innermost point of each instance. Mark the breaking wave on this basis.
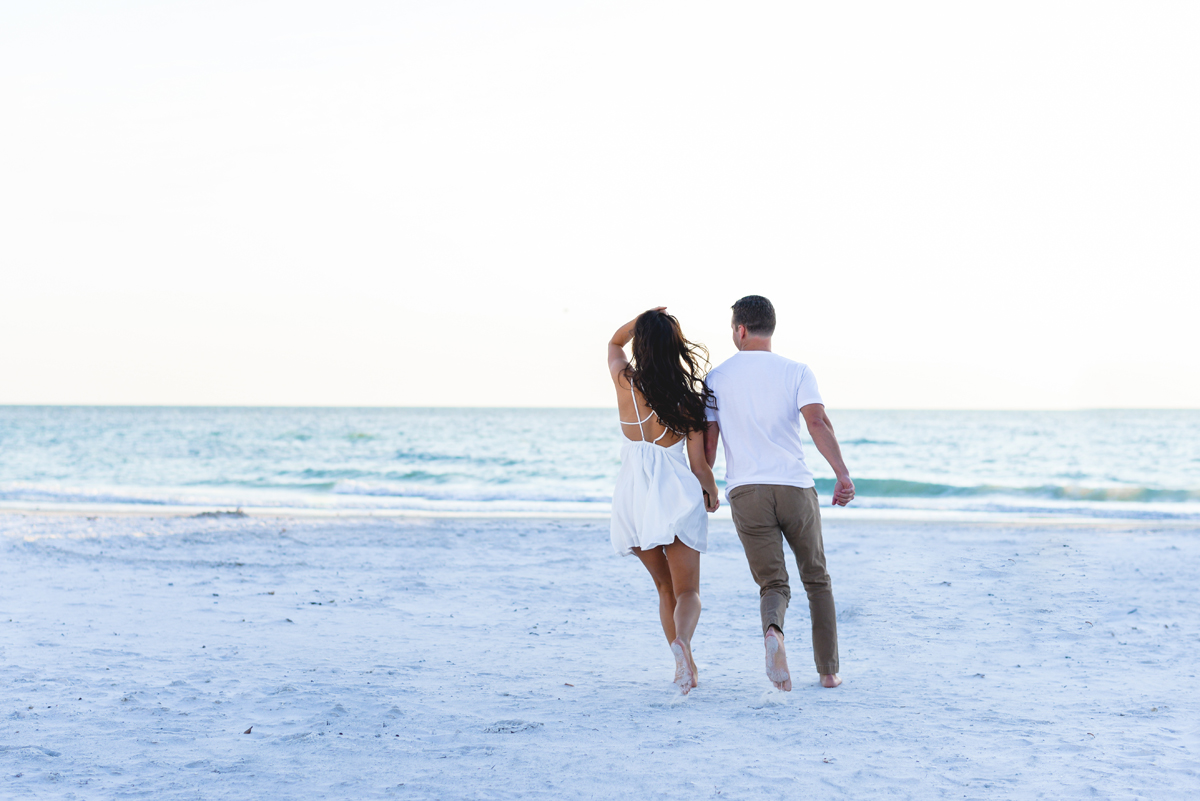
(901, 488)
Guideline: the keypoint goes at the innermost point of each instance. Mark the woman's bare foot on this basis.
(777, 669)
(685, 679)
(830, 680)
(688, 661)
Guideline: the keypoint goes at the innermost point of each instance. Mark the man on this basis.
(760, 398)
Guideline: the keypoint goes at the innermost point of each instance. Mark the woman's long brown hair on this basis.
(669, 372)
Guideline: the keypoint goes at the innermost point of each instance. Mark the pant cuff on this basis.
(826, 669)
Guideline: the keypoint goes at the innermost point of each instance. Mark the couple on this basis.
(660, 504)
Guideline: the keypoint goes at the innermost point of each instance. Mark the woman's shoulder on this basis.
(621, 378)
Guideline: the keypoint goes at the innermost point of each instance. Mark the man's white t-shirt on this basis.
(759, 395)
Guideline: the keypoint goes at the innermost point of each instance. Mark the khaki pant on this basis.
(761, 513)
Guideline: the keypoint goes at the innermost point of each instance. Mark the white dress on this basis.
(657, 497)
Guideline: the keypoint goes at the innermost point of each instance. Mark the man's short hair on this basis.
(756, 313)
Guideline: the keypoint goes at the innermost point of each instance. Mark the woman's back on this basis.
(639, 422)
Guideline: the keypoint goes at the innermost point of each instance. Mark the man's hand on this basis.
(843, 491)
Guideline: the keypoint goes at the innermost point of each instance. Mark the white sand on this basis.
(431, 659)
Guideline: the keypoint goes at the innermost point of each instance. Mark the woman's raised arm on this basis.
(617, 361)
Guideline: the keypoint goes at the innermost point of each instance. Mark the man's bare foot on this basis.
(830, 680)
(777, 669)
(685, 679)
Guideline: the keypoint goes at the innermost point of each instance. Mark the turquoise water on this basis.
(1141, 463)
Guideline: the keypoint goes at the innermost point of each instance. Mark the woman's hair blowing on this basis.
(669, 372)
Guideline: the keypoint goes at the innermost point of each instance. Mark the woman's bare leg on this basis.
(684, 564)
(656, 562)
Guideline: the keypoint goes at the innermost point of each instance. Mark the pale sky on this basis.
(952, 205)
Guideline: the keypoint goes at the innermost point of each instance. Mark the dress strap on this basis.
(637, 423)
(645, 419)
(636, 413)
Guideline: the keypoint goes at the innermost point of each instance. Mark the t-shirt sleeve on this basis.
(808, 392)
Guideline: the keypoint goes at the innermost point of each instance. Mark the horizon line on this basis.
(4, 405)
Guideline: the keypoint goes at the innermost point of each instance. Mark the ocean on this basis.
(1118, 463)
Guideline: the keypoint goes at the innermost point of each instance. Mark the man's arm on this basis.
(710, 442)
(821, 431)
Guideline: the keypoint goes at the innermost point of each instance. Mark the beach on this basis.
(272, 656)
(308, 457)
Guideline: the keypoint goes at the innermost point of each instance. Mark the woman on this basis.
(661, 497)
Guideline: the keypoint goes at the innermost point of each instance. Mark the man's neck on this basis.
(756, 343)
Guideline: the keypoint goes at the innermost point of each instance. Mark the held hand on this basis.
(843, 491)
(711, 502)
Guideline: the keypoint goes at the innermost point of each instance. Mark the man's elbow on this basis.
(818, 425)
